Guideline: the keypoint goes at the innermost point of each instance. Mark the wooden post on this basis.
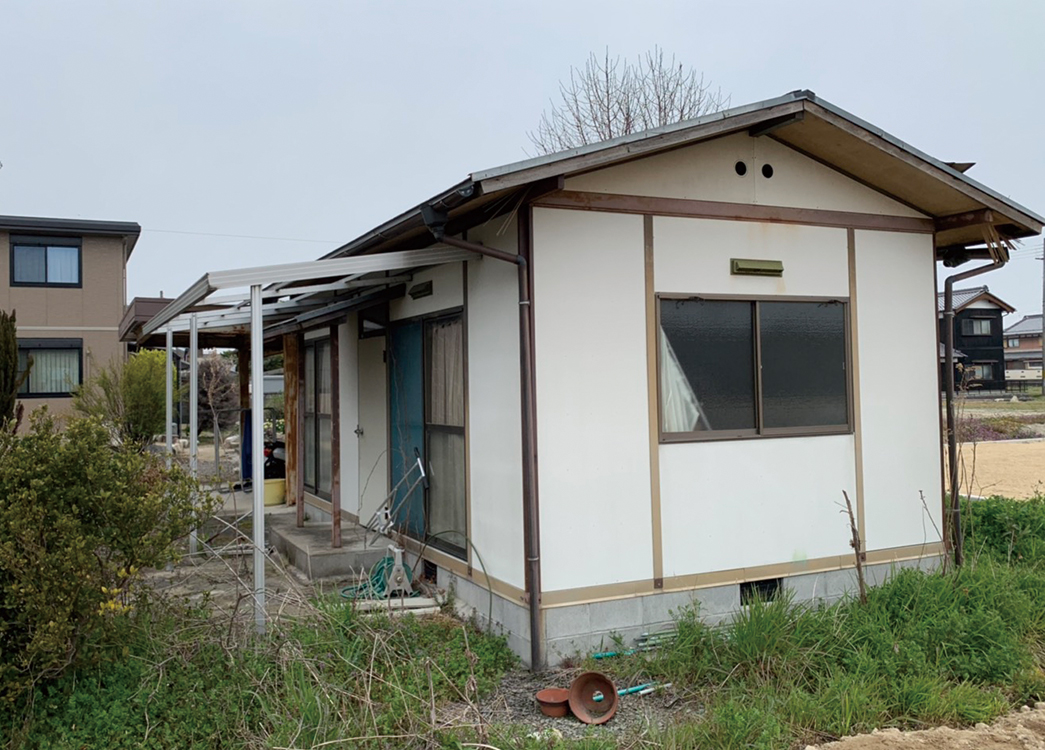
(292, 436)
(335, 438)
(299, 426)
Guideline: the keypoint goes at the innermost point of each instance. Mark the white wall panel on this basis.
(898, 366)
(592, 409)
(691, 256)
(706, 172)
(372, 444)
(447, 292)
(494, 412)
(741, 503)
(348, 374)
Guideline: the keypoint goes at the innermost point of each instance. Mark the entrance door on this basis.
(426, 410)
(407, 421)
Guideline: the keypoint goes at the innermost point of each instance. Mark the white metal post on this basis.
(194, 417)
(170, 396)
(257, 435)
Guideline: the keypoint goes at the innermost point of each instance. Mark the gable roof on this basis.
(965, 297)
(812, 126)
(1031, 324)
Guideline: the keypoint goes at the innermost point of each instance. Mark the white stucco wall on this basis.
(741, 503)
(494, 412)
(348, 392)
(735, 504)
(592, 410)
(896, 316)
(372, 484)
(691, 256)
(447, 292)
(706, 172)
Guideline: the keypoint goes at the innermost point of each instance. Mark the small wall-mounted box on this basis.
(750, 267)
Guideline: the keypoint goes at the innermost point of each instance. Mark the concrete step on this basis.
(309, 550)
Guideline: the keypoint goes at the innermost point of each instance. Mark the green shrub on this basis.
(78, 519)
(130, 398)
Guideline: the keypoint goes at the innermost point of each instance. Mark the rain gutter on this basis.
(436, 220)
(952, 437)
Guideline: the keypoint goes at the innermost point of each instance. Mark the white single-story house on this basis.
(641, 373)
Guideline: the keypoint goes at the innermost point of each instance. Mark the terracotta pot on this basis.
(554, 701)
(583, 701)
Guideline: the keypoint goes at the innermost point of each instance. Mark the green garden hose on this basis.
(376, 586)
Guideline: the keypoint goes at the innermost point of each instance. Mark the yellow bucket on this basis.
(275, 491)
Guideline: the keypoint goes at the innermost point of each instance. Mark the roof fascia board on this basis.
(620, 149)
(893, 146)
(314, 269)
(462, 191)
(638, 137)
(988, 297)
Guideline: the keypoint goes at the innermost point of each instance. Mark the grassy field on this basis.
(955, 647)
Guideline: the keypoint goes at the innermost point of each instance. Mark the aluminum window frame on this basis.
(760, 431)
(316, 414)
(66, 344)
(18, 240)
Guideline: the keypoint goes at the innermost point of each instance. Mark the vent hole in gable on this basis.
(767, 170)
(740, 168)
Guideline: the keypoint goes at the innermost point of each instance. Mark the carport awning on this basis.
(295, 294)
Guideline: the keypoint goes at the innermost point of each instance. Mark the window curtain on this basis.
(446, 380)
(679, 407)
(63, 265)
(54, 370)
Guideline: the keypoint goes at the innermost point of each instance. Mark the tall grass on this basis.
(187, 681)
(928, 648)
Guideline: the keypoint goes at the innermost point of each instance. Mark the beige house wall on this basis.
(91, 313)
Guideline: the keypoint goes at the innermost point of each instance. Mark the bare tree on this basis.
(611, 97)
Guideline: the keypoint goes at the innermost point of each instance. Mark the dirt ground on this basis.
(1023, 730)
(1013, 468)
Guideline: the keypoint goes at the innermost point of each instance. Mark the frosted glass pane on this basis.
(707, 365)
(446, 501)
(63, 265)
(310, 379)
(325, 467)
(803, 364)
(310, 452)
(324, 403)
(30, 264)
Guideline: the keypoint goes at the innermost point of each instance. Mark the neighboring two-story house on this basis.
(1023, 357)
(67, 281)
(978, 334)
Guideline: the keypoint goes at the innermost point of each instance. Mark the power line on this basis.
(238, 236)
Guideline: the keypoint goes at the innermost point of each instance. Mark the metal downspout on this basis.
(530, 516)
(952, 437)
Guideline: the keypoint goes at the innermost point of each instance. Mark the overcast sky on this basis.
(314, 121)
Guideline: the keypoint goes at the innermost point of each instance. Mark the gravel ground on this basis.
(1010, 468)
(514, 703)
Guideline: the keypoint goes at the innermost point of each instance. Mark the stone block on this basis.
(616, 614)
(563, 622)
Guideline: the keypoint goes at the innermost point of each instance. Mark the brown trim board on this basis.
(628, 589)
(640, 204)
(653, 389)
(854, 391)
(464, 570)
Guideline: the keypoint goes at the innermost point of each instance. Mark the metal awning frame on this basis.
(303, 294)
